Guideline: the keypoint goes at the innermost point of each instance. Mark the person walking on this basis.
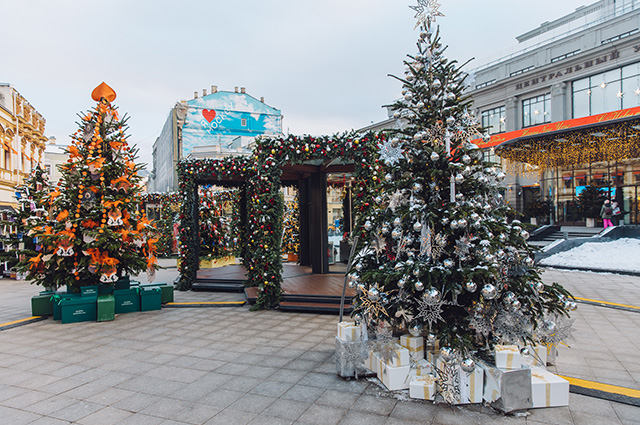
(606, 212)
(616, 212)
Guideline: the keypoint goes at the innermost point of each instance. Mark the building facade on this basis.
(22, 141)
(583, 64)
(221, 123)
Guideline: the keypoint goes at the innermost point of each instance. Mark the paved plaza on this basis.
(228, 365)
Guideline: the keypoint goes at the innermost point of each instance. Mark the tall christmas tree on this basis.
(438, 256)
(96, 233)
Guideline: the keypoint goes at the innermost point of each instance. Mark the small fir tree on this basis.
(590, 201)
(291, 224)
(96, 233)
(32, 196)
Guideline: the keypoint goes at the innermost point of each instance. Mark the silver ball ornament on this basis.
(368, 225)
(374, 294)
(468, 365)
(397, 222)
(466, 159)
(419, 286)
(446, 354)
(416, 330)
(434, 156)
(489, 292)
(417, 226)
(432, 296)
(388, 178)
(471, 286)
(448, 263)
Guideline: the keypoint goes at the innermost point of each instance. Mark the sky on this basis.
(325, 65)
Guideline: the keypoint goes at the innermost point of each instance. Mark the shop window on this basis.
(536, 110)
(494, 120)
(568, 180)
(600, 178)
(617, 178)
(581, 180)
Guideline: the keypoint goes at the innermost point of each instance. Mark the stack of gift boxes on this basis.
(101, 302)
(520, 381)
(512, 382)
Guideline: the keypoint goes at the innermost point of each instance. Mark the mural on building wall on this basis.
(223, 117)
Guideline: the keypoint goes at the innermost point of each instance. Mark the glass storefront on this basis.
(606, 92)
(494, 120)
(536, 110)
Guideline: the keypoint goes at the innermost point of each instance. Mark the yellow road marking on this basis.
(2, 325)
(208, 303)
(629, 392)
(608, 303)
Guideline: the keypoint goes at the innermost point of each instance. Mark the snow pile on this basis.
(620, 254)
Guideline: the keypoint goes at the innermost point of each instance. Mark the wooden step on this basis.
(311, 307)
(218, 285)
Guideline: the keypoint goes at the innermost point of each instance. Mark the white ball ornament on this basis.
(489, 292)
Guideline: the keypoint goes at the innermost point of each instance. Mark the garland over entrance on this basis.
(273, 163)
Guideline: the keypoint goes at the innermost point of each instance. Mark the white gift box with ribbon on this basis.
(537, 356)
(547, 389)
(471, 383)
(415, 345)
(421, 368)
(394, 377)
(508, 357)
(423, 387)
(349, 332)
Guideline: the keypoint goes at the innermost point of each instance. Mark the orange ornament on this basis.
(103, 91)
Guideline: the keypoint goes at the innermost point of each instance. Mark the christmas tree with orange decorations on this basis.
(96, 232)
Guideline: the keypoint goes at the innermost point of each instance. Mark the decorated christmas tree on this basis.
(438, 256)
(32, 196)
(291, 224)
(96, 233)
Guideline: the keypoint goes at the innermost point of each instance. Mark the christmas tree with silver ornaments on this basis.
(440, 255)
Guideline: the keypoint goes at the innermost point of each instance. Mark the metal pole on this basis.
(344, 287)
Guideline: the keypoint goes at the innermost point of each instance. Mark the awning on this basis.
(604, 137)
(8, 146)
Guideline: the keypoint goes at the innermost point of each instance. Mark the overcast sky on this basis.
(324, 64)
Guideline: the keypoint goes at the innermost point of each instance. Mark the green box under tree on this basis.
(106, 307)
(57, 298)
(89, 291)
(127, 300)
(167, 291)
(150, 298)
(42, 304)
(123, 283)
(78, 309)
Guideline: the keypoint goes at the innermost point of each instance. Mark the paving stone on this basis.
(287, 409)
(373, 404)
(354, 417)
(317, 415)
(106, 416)
(232, 417)
(335, 398)
(11, 416)
(252, 403)
(303, 393)
(271, 388)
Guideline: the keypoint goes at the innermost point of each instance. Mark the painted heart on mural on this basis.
(209, 114)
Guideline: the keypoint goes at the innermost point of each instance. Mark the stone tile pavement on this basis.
(227, 365)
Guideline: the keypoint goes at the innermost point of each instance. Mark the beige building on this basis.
(22, 141)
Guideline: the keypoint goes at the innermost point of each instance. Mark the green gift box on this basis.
(57, 298)
(105, 289)
(150, 298)
(89, 291)
(42, 304)
(78, 309)
(123, 283)
(167, 291)
(127, 300)
(106, 307)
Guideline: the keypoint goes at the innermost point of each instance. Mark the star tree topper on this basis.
(426, 11)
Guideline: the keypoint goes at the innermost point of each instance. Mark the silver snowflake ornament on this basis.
(389, 153)
(426, 11)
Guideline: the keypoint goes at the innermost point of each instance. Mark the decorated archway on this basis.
(274, 162)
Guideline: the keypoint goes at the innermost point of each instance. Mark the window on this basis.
(47, 169)
(536, 110)
(7, 159)
(494, 120)
(243, 122)
(608, 91)
(489, 155)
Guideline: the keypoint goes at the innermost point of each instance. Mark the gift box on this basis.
(421, 368)
(123, 282)
(57, 298)
(349, 332)
(508, 357)
(150, 298)
(423, 387)
(393, 377)
(350, 358)
(78, 309)
(42, 304)
(432, 351)
(89, 291)
(547, 389)
(471, 384)
(415, 345)
(401, 357)
(371, 361)
(537, 356)
(127, 300)
(106, 308)
(506, 390)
